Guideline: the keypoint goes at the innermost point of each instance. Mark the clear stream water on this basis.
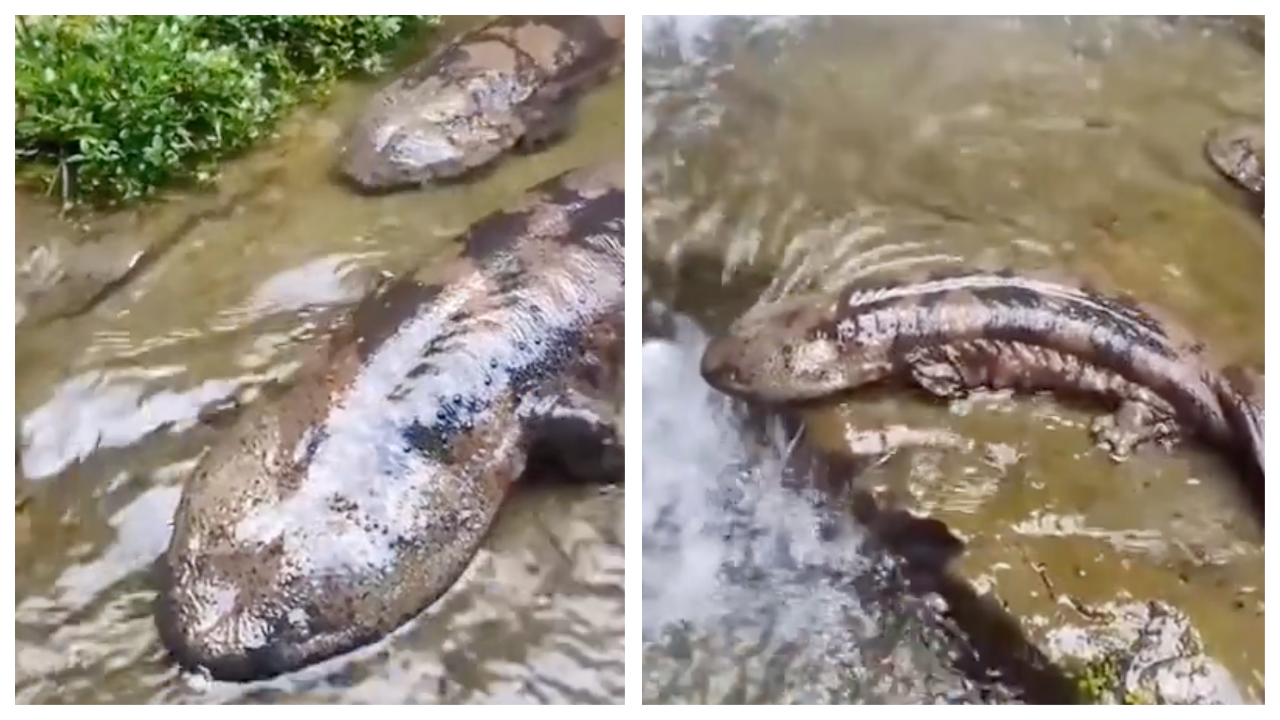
(107, 416)
(783, 154)
(780, 153)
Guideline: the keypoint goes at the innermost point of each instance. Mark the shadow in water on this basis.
(905, 574)
(990, 643)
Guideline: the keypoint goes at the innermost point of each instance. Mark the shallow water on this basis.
(783, 154)
(744, 599)
(107, 407)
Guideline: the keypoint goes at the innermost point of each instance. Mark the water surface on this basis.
(108, 402)
(783, 154)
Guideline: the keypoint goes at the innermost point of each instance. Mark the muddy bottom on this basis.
(108, 400)
(784, 154)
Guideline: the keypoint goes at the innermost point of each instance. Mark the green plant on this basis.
(1100, 681)
(300, 50)
(111, 108)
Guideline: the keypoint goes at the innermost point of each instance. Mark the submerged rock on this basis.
(1150, 654)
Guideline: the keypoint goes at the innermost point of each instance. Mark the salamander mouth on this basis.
(718, 368)
(284, 649)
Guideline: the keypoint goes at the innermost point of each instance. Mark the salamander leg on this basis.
(578, 437)
(1133, 424)
(939, 376)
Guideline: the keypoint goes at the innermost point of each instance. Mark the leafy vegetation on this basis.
(1100, 681)
(111, 108)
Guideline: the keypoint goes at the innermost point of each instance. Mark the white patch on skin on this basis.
(387, 483)
(220, 601)
(297, 617)
(448, 104)
(250, 632)
(977, 281)
(382, 136)
(845, 329)
(815, 356)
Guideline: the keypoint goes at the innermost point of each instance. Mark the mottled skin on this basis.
(1239, 154)
(953, 332)
(341, 510)
(511, 84)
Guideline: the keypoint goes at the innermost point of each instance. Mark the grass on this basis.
(112, 108)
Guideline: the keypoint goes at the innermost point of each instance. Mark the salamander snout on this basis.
(784, 352)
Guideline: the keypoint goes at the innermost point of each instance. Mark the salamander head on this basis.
(402, 144)
(284, 554)
(785, 351)
(213, 626)
(392, 158)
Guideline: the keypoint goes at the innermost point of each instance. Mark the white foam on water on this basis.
(733, 562)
